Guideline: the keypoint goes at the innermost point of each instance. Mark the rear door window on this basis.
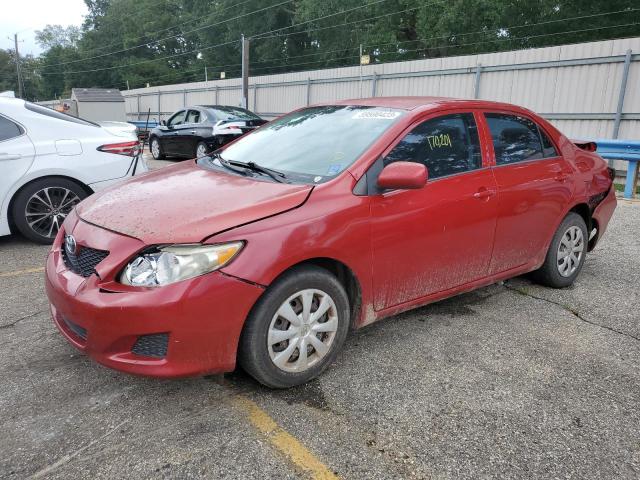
(193, 116)
(515, 139)
(9, 129)
(446, 145)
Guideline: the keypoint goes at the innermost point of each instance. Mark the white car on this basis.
(50, 161)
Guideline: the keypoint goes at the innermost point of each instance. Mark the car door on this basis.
(16, 154)
(171, 133)
(186, 134)
(438, 237)
(533, 191)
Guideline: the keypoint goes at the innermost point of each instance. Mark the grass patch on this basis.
(620, 187)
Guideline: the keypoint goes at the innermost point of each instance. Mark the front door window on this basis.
(446, 145)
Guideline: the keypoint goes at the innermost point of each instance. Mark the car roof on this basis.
(412, 103)
(219, 106)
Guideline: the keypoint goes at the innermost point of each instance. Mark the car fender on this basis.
(319, 229)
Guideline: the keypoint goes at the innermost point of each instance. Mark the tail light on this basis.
(129, 149)
(588, 146)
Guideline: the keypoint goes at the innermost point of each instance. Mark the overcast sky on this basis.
(26, 16)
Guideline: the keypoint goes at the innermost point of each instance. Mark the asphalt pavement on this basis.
(510, 381)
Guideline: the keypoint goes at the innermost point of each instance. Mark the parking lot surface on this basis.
(510, 381)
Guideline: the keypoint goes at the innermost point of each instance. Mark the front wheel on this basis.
(40, 208)
(296, 329)
(566, 254)
(156, 149)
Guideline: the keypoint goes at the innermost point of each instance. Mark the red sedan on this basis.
(329, 218)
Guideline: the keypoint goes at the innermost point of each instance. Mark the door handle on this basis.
(193, 132)
(484, 193)
(9, 156)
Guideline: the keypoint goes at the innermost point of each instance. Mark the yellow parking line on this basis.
(21, 272)
(283, 441)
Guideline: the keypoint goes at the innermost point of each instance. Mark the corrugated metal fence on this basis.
(588, 90)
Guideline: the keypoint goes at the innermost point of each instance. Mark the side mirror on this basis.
(403, 176)
(163, 122)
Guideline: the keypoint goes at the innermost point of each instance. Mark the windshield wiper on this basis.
(277, 175)
(225, 163)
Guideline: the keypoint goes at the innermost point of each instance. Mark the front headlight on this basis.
(173, 263)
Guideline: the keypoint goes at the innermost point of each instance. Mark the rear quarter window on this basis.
(548, 149)
(9, 129)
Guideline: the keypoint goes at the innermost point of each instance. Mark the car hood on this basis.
(186, 203)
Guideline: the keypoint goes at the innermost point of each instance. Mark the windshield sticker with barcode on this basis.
(375, 115)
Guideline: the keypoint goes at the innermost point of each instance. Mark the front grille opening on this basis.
(154, 346)
(75, 328)
(85, 261)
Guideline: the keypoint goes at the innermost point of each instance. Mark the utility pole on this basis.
(360, 64)
(206, 78)
(15, 38)
(245, 72)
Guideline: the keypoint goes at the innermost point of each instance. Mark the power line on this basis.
(143, 61)
(211, 46)
(511, 27)
(497, 39)
(168, 28)
(349, 10)
(500, 39)
(260, 36)
(173, 36)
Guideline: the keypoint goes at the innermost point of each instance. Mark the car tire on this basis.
(279, 365)
(202, 149)
(39, 208)
(156, 149)
(566, 254)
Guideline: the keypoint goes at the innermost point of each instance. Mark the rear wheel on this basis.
(40, 208)
(156, 149)
(566, 254)
(296, 329)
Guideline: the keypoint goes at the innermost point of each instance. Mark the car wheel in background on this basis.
(156, 149)
(296, 328)
(566, 254)
(202, 150)
(40, 208)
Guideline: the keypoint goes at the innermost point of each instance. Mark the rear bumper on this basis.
(198, 320)
(602, 215)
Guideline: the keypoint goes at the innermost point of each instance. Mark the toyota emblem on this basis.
(70, 244)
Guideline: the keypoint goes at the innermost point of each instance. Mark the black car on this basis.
(195, 131)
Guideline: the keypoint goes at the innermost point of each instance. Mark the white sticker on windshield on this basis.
(375, 115)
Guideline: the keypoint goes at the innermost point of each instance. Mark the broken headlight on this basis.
(174, 263)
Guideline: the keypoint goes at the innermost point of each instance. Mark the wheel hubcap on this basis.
(155, 149)
(302, 331)
(570, 251)
(201, 151)
(47, 208)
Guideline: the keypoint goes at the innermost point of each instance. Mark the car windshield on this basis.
(314, 144)
(231, 113)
